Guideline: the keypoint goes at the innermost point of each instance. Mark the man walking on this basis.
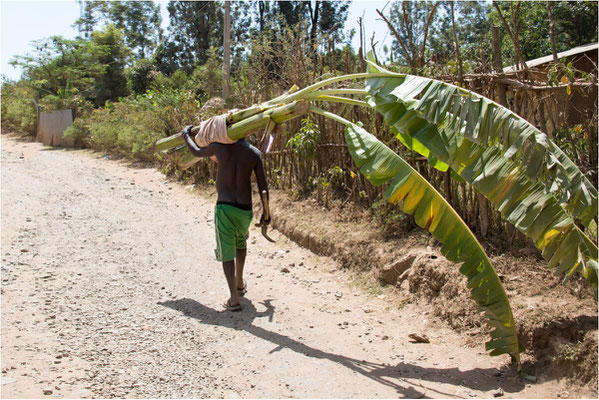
(233, 213)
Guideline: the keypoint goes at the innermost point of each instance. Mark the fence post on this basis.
(498, 65)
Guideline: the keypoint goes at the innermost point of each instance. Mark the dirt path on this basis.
(110, 289)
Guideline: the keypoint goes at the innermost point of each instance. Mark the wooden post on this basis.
(498, 65)
(227, 51)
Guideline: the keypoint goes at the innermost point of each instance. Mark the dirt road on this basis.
(110, 289)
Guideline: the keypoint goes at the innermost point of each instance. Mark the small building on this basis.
(583, 58)
(564, 106)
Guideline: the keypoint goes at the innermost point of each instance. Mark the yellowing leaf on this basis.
(431, 211)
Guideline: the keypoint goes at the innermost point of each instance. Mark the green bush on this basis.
(125, 128)
(18, 108)
(175, 108)
(79, 132)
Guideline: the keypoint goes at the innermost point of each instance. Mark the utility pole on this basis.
(227, 52)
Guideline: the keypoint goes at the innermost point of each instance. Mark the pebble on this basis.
(48, 392)
(285, 270)
(498, 393)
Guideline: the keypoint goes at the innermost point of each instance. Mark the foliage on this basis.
(524, 175)
(58, 64)
(140, 23)
(207, 79)
(89, 16)
(112, 83)
(18, 107)
(72, 71)
(304, 143)
(472, 30)
(175, 108)
(138, 20)
(139, 76)
(125, 128)
(413, 20)
(575, 25)
(195, 26)
(79, 132)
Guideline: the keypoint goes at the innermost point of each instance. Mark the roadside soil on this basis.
(110, 289)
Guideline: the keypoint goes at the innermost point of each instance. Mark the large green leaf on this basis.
(532, 204)
(462, 114)
(432, 212)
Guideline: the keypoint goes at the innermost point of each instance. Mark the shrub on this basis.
(125, 128)
(18, 108)
(79, 132)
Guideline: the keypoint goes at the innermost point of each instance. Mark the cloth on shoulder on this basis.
(214, 129)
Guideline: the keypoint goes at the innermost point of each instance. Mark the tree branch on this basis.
(428, 22)
(396, 34)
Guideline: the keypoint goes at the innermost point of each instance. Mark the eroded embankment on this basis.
(557, 324)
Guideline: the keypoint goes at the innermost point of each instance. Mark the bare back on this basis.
(235, 165)
(236, 162)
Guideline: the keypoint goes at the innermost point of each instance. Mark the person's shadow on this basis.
(477, 378)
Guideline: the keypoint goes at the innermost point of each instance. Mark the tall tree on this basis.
(327, 18)
(409, 22)
(90, 13)
(195, 26)
(111, 83)
(472, 27)
(576, 23)
(58, 64)
(140, 22)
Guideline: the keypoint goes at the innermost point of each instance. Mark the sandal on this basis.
(229, 307)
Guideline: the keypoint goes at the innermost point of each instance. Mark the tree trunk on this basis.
(429, 20)
(457, 48)
(552, 31)
(397, 36)
(513, 34)
(361, 50)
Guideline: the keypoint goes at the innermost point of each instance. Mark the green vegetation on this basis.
(448, 153)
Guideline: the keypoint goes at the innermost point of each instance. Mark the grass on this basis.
(366, 284)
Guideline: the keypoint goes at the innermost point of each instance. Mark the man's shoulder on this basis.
(249, 148)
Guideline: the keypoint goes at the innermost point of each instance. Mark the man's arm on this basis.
(262, 187)
(193, 147)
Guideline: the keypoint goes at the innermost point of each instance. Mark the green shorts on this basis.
(231, 225)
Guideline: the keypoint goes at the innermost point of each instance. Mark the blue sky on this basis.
(23, 21)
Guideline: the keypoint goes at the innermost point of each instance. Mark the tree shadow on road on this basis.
(390, 375)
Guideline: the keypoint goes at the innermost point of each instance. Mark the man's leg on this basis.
(229, 269)
(239, 264)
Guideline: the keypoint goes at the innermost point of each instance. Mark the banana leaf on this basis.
(530, 204)
(462, 114)
(380, 165)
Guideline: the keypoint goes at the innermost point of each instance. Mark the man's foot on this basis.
(242, 290)
(232, 307)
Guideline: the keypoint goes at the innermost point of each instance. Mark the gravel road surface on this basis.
(110, 289)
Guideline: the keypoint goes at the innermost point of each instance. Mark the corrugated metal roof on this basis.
(544, 60)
